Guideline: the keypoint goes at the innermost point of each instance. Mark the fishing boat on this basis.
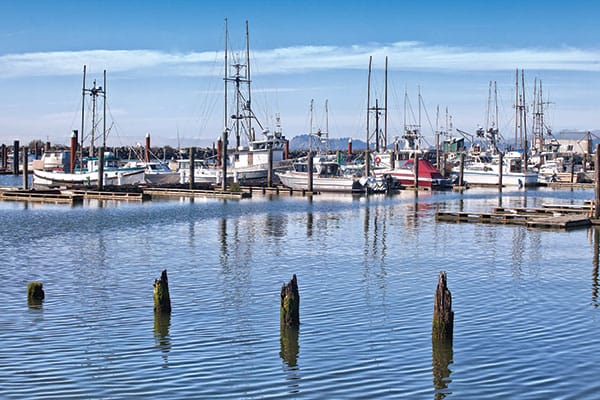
(91, 170)
(113, 174)
(403, 172)
(252, 156)
(485, 170)
(328, 176)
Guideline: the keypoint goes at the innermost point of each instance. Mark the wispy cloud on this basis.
(291, 60)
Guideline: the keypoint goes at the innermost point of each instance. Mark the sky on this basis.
(164, 65)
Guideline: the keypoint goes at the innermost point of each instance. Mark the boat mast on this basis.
(248, 103)
(104, 115)
(225, 140)
(367, 161)
(82, 117)
(524, 113)
(385, 106)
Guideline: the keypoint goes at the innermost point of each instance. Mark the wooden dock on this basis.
(277, 190)
(110, 195)
(45, 196)
(219, 194)
(531, 218)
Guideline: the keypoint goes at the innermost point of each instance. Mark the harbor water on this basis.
(526, 321)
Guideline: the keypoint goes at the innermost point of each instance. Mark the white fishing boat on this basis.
(113, 174)
(89, 171)
(250, 159)
(328, 176)
(485, 170)
(156, 173)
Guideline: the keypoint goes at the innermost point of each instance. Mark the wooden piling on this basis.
(162, 301)
(270, 168)
(597, 182)
(192, 168)
(443, 316)
(461, 179)
(501, 170)
(35, 293)
(290, 304)
(310, 171)
(101, 169)
(25, 169)
(15, 164)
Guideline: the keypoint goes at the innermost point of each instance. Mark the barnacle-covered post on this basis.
(443, 316)
(162, 301)
(290, 304)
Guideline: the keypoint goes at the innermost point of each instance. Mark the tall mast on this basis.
(104, 115)
(327, 122)
(310, 128)
(225, 122)
(524, 113)
(82, 115)
(385, 106)
(248, 103)
(517, 109)
(225, 139)
(368, 104)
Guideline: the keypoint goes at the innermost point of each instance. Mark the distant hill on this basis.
(303, 142)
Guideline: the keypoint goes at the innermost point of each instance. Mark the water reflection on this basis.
(289, 355)
(289, 345)
(441, 354)
(595, 263)
(162, 323)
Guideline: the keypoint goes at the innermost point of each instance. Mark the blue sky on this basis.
(164, 64)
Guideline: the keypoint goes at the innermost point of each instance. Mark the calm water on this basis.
(527, 320)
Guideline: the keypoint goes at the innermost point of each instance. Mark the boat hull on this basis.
(299, 181)
(119, 177)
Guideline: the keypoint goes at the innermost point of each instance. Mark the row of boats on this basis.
(266, 158)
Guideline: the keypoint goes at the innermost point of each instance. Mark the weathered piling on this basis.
(443, 316)
(290, 304)
(500, 170)
(270, 169)
(597, 182)
(101, 168)
(15, 164)
(461, 179)
(310, 171)
(35, 293)
(162, 301)
(25, 169)
(192, 168)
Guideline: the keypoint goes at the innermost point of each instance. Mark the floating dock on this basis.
(45, 196)
(553, 218)
(173, 192)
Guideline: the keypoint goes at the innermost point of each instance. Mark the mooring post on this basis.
(443, 316)
(290, 304)
(270, 168)
(310, 172)
(4, 157)
(416, 170)
(25, 169)
(101, 169)
(35, 293)
(192, 167)
(162, 301)
(461, 162)
(500, 169)
(597, 181)
(15, 166)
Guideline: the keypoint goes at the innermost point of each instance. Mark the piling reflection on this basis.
(595, 263)
(442, 354)
(162, 324)
(289, 345)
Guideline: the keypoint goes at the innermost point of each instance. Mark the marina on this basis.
(334, 209)
(365, 310)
